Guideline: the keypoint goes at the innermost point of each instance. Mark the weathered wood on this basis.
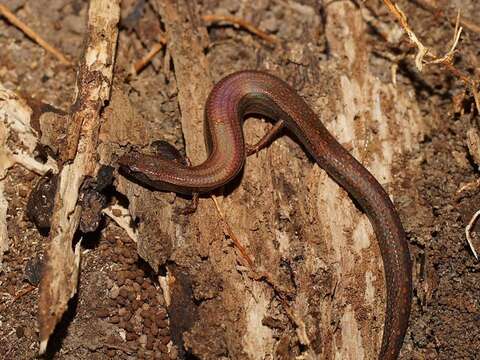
(60, 275)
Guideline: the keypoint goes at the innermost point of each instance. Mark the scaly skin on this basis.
(254, 92)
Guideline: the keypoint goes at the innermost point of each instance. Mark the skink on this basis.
(253, 92)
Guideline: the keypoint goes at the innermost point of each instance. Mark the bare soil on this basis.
(120, 311)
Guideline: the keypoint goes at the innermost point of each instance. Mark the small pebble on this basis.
(122, 312)
(117, 212)
(161, 323)
(150, 341)
(231, 5)
(102, 312)
(132, 344)
(173, 353)
(129, 326)
(33, 270)
(111, 353)
(129, 261)
(162, 313)
(151, 314)
(140, 273)
(136, 304)
(131, 336)
(114, 292)
(162, 348)
(111, 339)
(123, 301)
(270, 24)
(123, 292)
(130, 275)
(154, 329)
(152, 297)
(137, 287)
(164, 331)
(29, 176)
(74, 24)
(142, 340)
(20, 332)
(147, 323)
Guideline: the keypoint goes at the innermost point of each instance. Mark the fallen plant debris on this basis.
(447, 61)
(5, 12)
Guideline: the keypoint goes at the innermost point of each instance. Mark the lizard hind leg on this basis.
(265, 140)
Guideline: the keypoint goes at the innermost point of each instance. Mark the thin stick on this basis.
(423, 51)
(21, 294)
(144, 61)
(243, 24)
(467, 24)
(33, 35)
(228, 231)
(468, 229)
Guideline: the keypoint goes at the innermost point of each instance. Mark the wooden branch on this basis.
(60, 276)
(33, 35)
(243, 24)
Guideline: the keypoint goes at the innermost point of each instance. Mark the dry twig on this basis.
(446, 61)
(243, 24)
(144, 61)
(230, 233)
(468, 229)
(33, 35)
(423, 51)
(21, 294)
(467, 24)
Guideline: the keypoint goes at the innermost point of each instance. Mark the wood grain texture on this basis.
(60, 275)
